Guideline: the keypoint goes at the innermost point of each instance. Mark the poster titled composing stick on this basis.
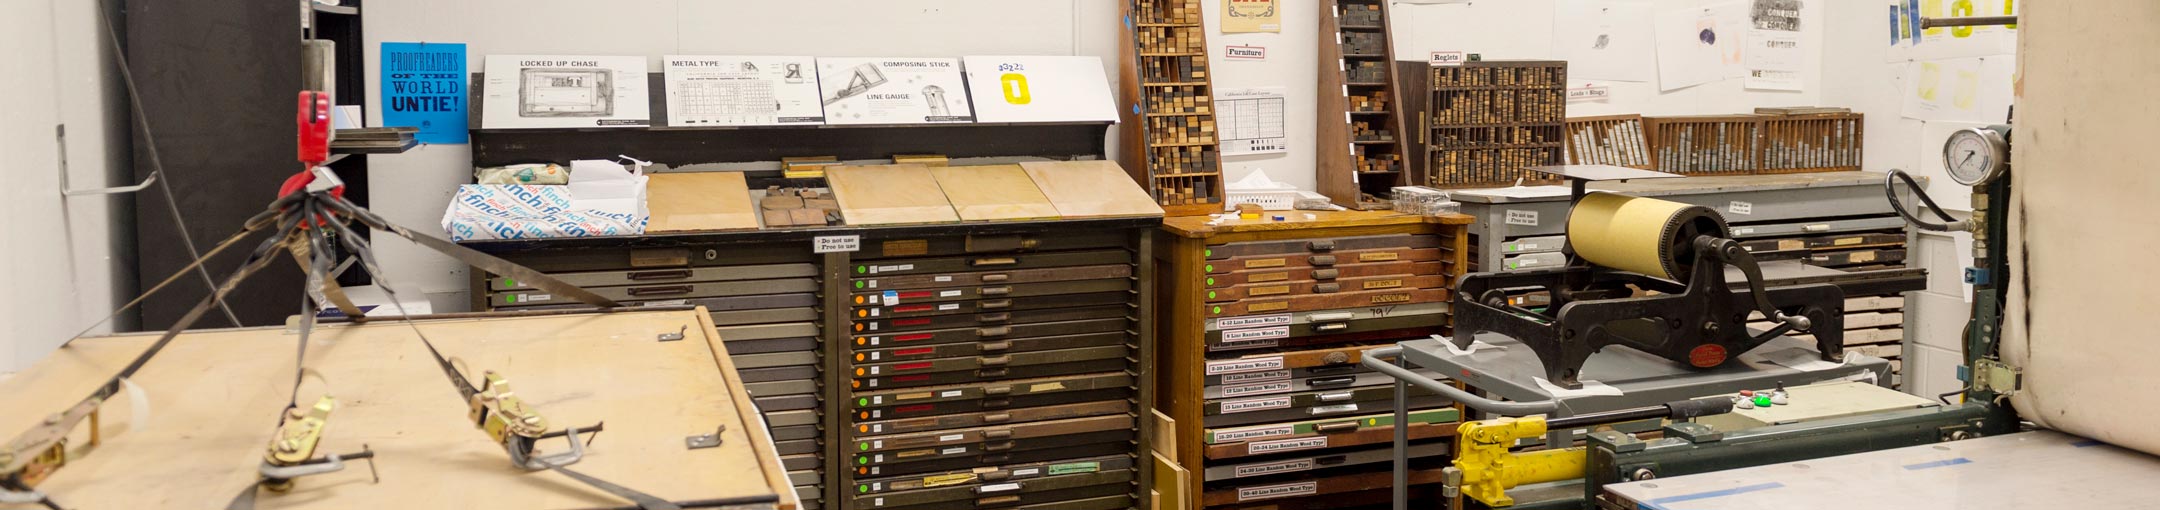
(564, 91)
(893, 91)
(742, 91)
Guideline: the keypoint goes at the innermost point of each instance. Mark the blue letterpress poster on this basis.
(423, 86)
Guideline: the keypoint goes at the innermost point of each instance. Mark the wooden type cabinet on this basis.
(1263, 324)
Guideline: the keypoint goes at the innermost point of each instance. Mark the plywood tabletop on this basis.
(993, 193)
(1091, 189)
(889, 195)
(699, 202)
(214, 396)
(1197, 226)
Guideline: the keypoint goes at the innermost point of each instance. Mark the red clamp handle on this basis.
(314, 127)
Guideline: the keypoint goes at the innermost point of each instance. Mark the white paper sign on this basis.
(564, 91)
(1604, 40)
(1775, 50)
(1589, 94)
(893, 91)
(1244, 52)
(1446, 58)
(741, 91)
(1040, 89)
(1250, 120)
(1697, 45)
(831, 244)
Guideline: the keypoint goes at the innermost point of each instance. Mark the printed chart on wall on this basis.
(1698, 45)
(1974, 89)
(1607, 41)
(564, 91)
(893, 91)
(1250, 120)
(1774, 51)
(1040, 89)
(1247, 16)
(1910, 42)
(707, 90)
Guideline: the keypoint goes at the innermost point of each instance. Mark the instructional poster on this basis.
(1040, 89)
(1250, 121)
(1248, 16)
(893, 91)
(564, 91)
(742, 91)
(423, 86)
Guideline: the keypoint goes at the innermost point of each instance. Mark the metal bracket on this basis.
(702, 441)
(1694, 432)
(1996, 376)
(1617, 442)
(676, 336)
(60, 135)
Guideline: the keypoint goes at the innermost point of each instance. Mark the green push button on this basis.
(1762, 400)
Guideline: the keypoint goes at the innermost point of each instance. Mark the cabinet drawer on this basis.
(1321, 245)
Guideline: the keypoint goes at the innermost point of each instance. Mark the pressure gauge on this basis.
(1976, 156)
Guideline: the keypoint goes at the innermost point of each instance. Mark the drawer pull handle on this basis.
(996, 305)
(1337, 397)
(998, 418)
(660, 291)
(1331, 382)
(994, 317)
(997, 402)
(998, 447)
(996, 291)
(1340, 426)
(997, 346)
(996, 361)
(1330, 460)
(995, 331)
(1326, 288)
(1332, 369)
(995, 459)
(1323, 245)
(1000, 372)
(1325, 274)
(673, 274)
(996, 277)
(1321, 260)
(994, 261)
(1329, 327)
(997, 434)
(998, 390)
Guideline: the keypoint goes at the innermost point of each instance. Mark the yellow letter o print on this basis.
(1016, 88)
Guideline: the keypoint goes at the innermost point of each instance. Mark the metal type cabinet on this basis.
(988, 364)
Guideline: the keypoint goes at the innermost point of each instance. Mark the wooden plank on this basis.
(214, 395)
(1090, 189)
(889, 195)
(993, 192)
(699, 202)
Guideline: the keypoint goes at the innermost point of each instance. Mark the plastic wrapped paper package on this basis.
(509, 211)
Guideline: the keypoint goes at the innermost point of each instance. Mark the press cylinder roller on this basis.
(1641, 235)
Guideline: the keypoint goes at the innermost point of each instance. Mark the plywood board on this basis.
(1091, 189)
(993, 192)
(213, 399)
(1170, 482)
(699, 202)
(889, 195)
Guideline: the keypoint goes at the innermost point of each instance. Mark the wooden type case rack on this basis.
(1169, 132)
(1361, 115)
(988, 364)
(1264, 326)
(1490, 119)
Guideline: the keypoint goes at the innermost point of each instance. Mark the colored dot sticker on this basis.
(1210, 252)
(860, 460)
(862, 269)
(858, 284)
(1211, 294)
(865, 489)
(509, 282)
(510, 298)
(1211, 280)
(1218, 310)
(1211, 268)
(860, 402)
(862, 446)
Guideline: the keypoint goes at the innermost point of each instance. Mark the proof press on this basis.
(1647, 274)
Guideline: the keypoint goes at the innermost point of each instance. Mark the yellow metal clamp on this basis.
(1489, 469)
(499, 412)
